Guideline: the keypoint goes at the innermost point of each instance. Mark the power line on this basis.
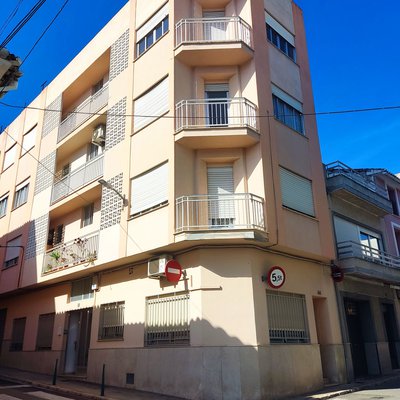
(22, 23)
(10, 17)
(333, 112)
(87, 202)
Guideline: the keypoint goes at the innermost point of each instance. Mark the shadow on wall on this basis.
(16, 269)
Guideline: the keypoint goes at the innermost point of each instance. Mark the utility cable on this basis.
(268, 115)
(10, 17)
(87, 202)
(22, 23)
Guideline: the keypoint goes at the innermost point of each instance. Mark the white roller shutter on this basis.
(149, 189)
(10, 156)
(29, 140)
(219, 180)
(296, 192)
(151, 105)
(12, 252)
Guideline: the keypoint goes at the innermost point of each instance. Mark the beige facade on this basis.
(192, 111)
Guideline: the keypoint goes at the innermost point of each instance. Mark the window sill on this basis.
(111, 340)
(16, 208)
(144, 212)
(312, 217)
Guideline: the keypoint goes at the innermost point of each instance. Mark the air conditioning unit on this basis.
(156, 266)
(99, 135)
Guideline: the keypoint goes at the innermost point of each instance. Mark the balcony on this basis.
(216, 123)
(78, 251)
(369, 263)
(357, 189)
(220, 216)
(82, 113)
(78, 178)
(213, 41)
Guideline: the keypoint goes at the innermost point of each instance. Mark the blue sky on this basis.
(354, 59)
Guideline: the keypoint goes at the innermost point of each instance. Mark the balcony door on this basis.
(214, 29)
(216, 95)
(221, 206)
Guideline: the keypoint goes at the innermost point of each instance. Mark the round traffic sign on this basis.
(173, 271)
(276, 277)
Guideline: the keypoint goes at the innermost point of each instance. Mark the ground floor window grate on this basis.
(111, 324)
(287, 318)
(167, 320)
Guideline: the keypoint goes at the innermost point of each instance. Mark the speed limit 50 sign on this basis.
(276, 277)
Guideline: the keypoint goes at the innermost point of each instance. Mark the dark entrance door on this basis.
(3, 317)
(357, 338)
(78, 340)
(391, 332)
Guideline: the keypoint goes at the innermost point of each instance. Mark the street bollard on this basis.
(103, 380)
(55, 373)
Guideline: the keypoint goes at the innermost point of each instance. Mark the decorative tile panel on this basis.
(119, 55)
(52, 116)
(111, 203)
(116, 124)
(45, 173)
(37, 236)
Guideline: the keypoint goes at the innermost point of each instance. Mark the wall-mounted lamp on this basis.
(108, 186)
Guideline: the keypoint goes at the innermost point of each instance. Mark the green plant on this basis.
(55, 255)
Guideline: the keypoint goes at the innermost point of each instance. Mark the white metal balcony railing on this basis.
(351, 249)
(83, 112)
(203, 30)
(223, 211)
(338, 168)
(213, 113)
(77, 178)
(80, 250)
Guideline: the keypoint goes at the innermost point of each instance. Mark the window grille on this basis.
(111, 324)
(44, 337)
(18, 332)
(167, 320)
(287, 318)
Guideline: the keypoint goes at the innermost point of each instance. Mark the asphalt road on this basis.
(13, 391)
(390, 391)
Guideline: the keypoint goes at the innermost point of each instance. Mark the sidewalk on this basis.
(69, 386)
(330, 392)
(72, 387)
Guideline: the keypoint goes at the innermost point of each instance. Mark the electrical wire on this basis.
(22, 23)
(10, 17)
(87, 202)
(334, 112)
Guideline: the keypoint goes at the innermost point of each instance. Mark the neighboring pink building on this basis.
(183, 131)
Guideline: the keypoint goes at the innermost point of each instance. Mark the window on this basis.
(151, 105)
(150, 189)
(393, 195)
(296, 192)
(167, 320)
(371, 244)
(3, 205)
(66, 169)
(44, 337)
(28, 141)
(87, 215)
(81, 289)
(13, 250)
(93, 151)
(18, 332)
(280, 37)
(156, 27)
(97, 87)
(287, 318)
(111, 325)
(221, 205)
(288, 115)
(21, 194)
(55, 236)
(9, 157)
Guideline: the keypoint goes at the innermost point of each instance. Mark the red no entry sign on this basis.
(173, 271)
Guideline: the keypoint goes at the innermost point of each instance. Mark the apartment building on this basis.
(175, 139)
(365, 210)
